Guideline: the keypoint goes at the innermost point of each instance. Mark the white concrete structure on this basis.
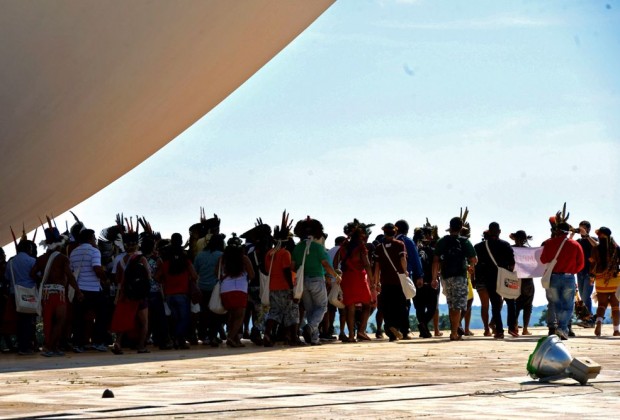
(89, 89)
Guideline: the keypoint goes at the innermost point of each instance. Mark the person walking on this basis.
(561, 291)
(454, 256)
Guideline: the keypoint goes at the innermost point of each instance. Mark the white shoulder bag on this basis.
(298, 291)
(26, 298)
(264, 281)
(405, 281)
(508, 284)
(215, 303)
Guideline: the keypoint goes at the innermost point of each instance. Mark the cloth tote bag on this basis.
(215, 302)
(298, 291)
(264, 280)
(335, 296)
(546, 277)
(26, 298)
(508, 284)
(405, 281)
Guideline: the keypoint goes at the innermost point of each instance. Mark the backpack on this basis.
(452, 260)
(136, 282)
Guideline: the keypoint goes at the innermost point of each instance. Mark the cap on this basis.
(456, 224)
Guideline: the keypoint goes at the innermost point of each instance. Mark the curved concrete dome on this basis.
(89, 89)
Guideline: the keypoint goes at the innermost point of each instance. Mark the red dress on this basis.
(354, 284)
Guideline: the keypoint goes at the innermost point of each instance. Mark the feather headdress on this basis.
(560, 217)
(352, 227)
(53, 239)
(309, 227)
(260, 233)
(283, 232)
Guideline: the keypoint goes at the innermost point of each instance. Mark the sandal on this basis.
(143, 351)
(350, 340)
(116, 349)
(363, 337)
(456, 337)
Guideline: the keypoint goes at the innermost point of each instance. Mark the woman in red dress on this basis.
(356, 277)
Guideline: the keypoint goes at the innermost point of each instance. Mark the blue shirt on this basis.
(20, 265)
(414, 266)
(205, 264)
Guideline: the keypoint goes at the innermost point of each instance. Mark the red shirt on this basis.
(175, 284)
(281, 261)
(570, 259)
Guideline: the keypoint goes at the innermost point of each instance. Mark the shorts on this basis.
(282, 309)
(234, 300)
(456, 293)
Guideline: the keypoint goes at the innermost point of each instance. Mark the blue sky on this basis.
(383, 110)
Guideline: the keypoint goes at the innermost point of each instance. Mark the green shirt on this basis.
(316, 255)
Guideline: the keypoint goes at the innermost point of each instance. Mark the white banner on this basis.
(527, 262)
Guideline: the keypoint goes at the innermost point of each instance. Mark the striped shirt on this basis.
(84, 258)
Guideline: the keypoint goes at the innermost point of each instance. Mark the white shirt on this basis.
(84, 258)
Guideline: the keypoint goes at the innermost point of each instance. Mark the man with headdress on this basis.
(206, 267)
(561, 291)
(454, 256)
(414, 266)
(53, 273)
(89, 326)
(466, 315)
(200, 233)
(283, 309)
(605, 266)
(315, 264)
(18, 273)
(390, 260)
(133, 280)
(525, 301)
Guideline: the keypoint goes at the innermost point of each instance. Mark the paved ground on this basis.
(477, 378)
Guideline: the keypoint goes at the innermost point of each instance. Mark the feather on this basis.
(465, 214)
(14, 238)
(74, 216)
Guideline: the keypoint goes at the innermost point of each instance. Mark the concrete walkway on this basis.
(476, 378)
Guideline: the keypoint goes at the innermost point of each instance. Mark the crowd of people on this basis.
(130, 289)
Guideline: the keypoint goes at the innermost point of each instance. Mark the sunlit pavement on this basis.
(476, 378)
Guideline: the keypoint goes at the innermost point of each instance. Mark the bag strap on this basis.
(389, 259)
(48, 266)
(560, 249)
(490, 254)
(306, 252)
(12, 273)
(275, 250)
